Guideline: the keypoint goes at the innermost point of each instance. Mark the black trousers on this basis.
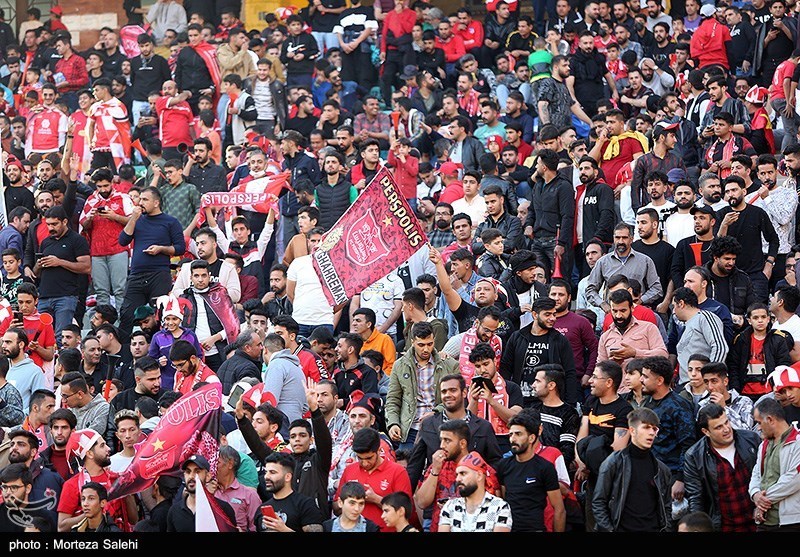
(140, 290)
(357, 66)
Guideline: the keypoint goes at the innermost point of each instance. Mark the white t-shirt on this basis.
(476, 210)
(380, 297)
(119, 462)
(792, 326)
(310, 306)
(677, 227)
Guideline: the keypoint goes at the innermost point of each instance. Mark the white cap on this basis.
(707, 10)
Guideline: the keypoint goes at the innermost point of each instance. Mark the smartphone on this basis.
(38, 255)
(268, 512)
(484, 383)
(18, 316)
(236, 394)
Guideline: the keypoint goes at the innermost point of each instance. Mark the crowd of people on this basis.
(602, 332)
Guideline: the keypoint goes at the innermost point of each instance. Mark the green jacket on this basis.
(401, 400)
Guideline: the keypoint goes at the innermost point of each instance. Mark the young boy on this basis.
(396, 511)
(492, 263)
(13, 277)
(406, 169)
(695, 389)
(633, 380)
(353, 496)
(755, 353)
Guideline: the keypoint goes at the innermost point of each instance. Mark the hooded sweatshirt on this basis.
(94, 415)
(286, 381)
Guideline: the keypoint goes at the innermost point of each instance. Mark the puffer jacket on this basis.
(784, 491)
(401, 400)
(611, 491)
(700, 472)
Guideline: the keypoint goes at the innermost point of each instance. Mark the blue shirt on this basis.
(159, 230)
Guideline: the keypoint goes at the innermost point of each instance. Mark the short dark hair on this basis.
(529, 419)
(686, 295)
(182, 350)
(366, 440)
(482, 351)
(790, 295)
(368, 314)
(660, 366)
(423, 329)
(612, 370)
(722, 245)
(65, 415)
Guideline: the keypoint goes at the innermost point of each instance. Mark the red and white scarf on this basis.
(729, 148)
(468, 342)
(488, 413)
(208, 53)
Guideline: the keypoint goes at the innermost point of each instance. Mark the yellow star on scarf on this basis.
(159, 445)
(387, 221)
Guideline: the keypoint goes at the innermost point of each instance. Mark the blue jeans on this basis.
(408, 444)
(62, 309)
(325, 41)
(306, 330)
(300, 79)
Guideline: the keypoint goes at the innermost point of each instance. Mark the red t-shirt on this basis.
(784, 71)
(628, 147)
(756, 363)
(70, 500)
(384, 479)
(174, 122)
(33, 327)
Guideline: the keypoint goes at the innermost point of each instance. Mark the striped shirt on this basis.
(493, 511)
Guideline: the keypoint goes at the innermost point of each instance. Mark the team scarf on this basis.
(184, 384)
(729, 148)
(219, 302)
(117, 128)
(488, 413)
(257, 195)
(615, 144)
(208, 53)
(80, 146)
(468, 343)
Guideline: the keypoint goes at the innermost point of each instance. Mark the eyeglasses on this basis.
(179, 365)
(68, 396)
(7, 487)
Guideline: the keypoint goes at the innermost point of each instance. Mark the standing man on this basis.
(174, 119)
(196, 69)
(616, 147)
(65, 256)
(588, 70)
(748, 223)
(632, 493)
(528, 481)
(70, 72)
(201, 171)
(157, 237)
(554, 100)
(773, 486)
(108, 128)
(148, 72)
(576, 329)
(718, 469)
(551, 226)
(661, 158)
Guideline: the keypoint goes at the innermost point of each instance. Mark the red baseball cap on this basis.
(56, 10)
(450, 169)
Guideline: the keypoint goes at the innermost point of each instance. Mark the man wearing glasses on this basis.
(91, 411)
(18, 509)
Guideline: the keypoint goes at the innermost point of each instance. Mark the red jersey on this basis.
(43, 334)
(174, 122)
(104, 233)
(453, 49)
(106, 116)
(46, 131)
(384, 479)
(312, 365)
(524, 150)
(80, 144)
(472, 36)
(628, 147)
(783, 72)
(70, 500)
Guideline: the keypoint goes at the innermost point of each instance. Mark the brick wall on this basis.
(84, 18)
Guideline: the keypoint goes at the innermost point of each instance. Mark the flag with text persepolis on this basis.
(377, 234)
(190, 426)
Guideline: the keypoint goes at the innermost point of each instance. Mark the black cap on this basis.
(707, 209)
(199, 460)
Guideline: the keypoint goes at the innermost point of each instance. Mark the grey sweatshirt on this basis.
(703, 334)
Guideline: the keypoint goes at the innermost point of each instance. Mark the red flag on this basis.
(377, 234)
(190, 426)
(209, 516)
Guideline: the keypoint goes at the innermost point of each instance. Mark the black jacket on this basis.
(148, 75)
(611, 491)
(740, 290)
(495, 31)
(552, 210)
(700, 472)
(311, 468)
(777, 346)
(431, 62)
(482, 439)
(508, 225)
(419, 103)
(191, 72)
(471, 151)
(560, 352)
(305, 44)
(588, 70)
(514, 286)
(598, 213)
(279, 102)
(236, 368)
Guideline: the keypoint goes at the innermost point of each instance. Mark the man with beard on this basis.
(594, 210)
(16, 193)
(680, 224)
(629, 337)
(62, 423)
(576, 328)
(294, 512)
(215, 322)
(201, 171)
(748, 223)
(442, 235)
(181, 516)
(587, 72)
(529, 481)
(37, 231)
(116, 360)
(780, 204)
(627, 261)
(24, 449)
(145, 318)
(65, 256)
(147, 375)
(94, 456)
(221, 271)
(23, 373)
(335, 194)
(554, 100)
(633, 100)
(104, 215)
(538, 343)
(158, 237)
(476, 510)
(649, 243)
(661, 158)
(275, 301)
(522, 288)
(729, 285)
(497, 217)
(19, 510)
(439, 483)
